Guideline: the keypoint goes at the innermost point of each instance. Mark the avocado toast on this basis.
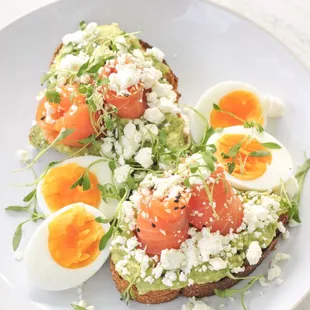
(154, 261)
(87, 63)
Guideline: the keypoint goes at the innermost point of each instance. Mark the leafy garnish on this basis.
(300, 176)
(83, 25)
(259, 153)
(231, 167)
(83, 69)
(18, 236)
(62, 135)
(52, 96)
(233, 291)
(234, 150)
(17, 208)
(271, 145)
(77, 307)
(30, 196)
(106, 237)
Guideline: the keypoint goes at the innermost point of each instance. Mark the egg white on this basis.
(280, 169)
(44, 272)
(213, 95)
(101, 170)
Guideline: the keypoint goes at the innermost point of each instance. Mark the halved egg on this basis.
(64, 251)
(244, 101)
(253, 160)
(54, 190)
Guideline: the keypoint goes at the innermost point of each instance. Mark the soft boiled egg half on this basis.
(54, 189)
(252, 160)
(244, 101)
(64, 251)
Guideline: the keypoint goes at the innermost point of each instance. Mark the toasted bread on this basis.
(195, 290)
(35, 130)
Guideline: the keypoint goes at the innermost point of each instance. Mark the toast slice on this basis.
(195, 290)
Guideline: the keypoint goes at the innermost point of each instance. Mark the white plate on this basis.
(212, 45)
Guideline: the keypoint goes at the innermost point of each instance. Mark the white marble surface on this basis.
(288, 20)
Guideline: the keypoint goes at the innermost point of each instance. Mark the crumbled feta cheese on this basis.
(274, 106)
(24, 156)
(149, 279)
(91, 27)
(107, 146)
(18, 255)
(263, 282)
(164, 90)
(156, 53)
(127, 75)
(121, 44)
(82, 303)
(280, 257)
(129, 214)
(286, 235)
(273, 272)
(254, 253)
(85, 79)
(157, 271)
(153, 115)
(49, 112)
(72, 62)
(169, 278)
(152, 99)
(144, 157)
(172, 259)
(217, 263)
(121, 173)
(76, 37)
(118, 240)
(279, 281)
(209, 244)
(149, 132)
(132, 243)
(168, 106)
(149, 76)
(281, 227)
(194, 304)
(237, 269)
(182, 277)
(129, 130)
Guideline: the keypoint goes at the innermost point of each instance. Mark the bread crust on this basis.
(195, 290)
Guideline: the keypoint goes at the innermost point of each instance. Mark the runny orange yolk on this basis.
(246, 167)
(74, 238)
(57, 192)
(241, 103)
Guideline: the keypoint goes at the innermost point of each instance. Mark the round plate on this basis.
(204, 45)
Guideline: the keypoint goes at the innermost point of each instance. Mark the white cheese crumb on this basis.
(153, 115)
(149, 132)
(281, 227)
(217, 263)
(274, 106)
(273, 272)
(254, 253)
(193, 304)
(121, 173)
(172, 259)
(144, 157)
(237, 269)
(156, 53)
(279, 281)
(18, 255)
(280, 257)
(286, 235)
(24, 156)
(169, 278)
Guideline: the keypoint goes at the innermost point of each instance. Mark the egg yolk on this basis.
(247, 167)
(74, 238)
(243, 104)
(57, 191)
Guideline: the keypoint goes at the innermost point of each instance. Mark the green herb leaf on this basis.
(77, 307)
(208, 160)
(46, 77)
(231, 167)
(216, 107)
(52, 96)
(234, 150)
(17, 208)
(102, 220)
(79, 182)
(162, 137)
(90, 139)
(30, 196)
(95, 68)
(294, 212)
(17, 236)
(112, 165)
(130, 182)
(260, 153)
(225, 156)
(187, 182)
(271, 145)
(259, 127)
(104, 81)
(108, 122)
(86, 182)
(83, 68)
(106, 237)
(83, 25)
